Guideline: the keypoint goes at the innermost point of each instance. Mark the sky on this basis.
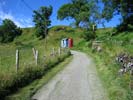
(22, 15)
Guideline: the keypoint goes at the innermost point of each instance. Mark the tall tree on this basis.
(77, 9)
(8, 31)
(122, 7)
(84, 12)
(41, 18)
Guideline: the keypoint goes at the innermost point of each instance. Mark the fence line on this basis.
(21, 58)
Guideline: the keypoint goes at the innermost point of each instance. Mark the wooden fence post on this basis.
(35, 53)
(36, 57)
(0, 61)
(53, 51)
(17, 60)
(59, 51)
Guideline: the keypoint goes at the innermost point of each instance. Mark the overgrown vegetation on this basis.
(11, 82)
(27, 92)
(88, 35)
(126, 25)
(118, 87)
(28, 71)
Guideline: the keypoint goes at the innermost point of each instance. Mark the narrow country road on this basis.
(78, 81)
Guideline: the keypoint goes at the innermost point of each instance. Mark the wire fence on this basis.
(25, 57)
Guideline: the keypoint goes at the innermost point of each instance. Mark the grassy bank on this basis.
(12, 82)
(117, 86)
(28, 40)
(28, 91)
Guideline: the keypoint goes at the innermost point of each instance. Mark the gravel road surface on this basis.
(78, 81)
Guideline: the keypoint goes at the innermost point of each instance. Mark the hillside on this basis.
(117, 86)
(28, 40)
(27, 71)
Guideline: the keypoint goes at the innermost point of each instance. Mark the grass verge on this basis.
(26, 92)
(117, 87)
(12, 82)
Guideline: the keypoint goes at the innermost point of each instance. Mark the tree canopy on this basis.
(123, 7)
(77, 9)
(8, 31)
(41, 18)
(85, 12)
(119, 7)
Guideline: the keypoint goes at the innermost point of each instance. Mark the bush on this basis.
(8, 31)
(130, 27)
(89, 35)
(122, 28)
(126, 25)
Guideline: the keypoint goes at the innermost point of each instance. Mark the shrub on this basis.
(130, 27)
(89, 35)
(8, 31)
(126, 25)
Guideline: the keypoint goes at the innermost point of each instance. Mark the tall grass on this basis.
(116, 86)
(27, 92)
(11, 82)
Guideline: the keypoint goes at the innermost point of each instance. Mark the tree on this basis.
(41, 18)
(77, 9)
(8, 31)
(84, 12)
(122, 7)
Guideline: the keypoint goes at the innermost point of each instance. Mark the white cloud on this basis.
(9, 16)
(21, 22)
(26, 21)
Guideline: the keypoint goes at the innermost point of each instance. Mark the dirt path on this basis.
(78, 81)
